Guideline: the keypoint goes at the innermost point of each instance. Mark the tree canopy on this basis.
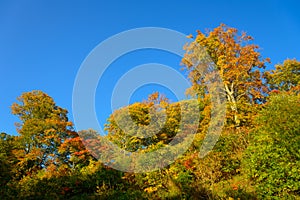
(256, 157)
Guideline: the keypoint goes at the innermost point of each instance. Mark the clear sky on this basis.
(43, 43)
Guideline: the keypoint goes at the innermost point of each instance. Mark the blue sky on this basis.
(43, 43)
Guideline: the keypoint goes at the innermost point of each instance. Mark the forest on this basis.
(257, 155)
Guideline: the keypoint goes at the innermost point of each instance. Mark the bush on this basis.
(273, 157)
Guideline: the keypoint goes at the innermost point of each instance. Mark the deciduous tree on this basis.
(43, 127)
(285, 77)
(238, 62)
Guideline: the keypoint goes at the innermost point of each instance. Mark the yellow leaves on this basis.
(230, 198)
(190, 36)
(150, 189)
(164, 136)
(237, 61)
(43, 127)
(285, 77)
(135, 140)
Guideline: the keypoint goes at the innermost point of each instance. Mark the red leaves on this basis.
(187, 164)
(275, 92)
(66, 190)
(235, 186)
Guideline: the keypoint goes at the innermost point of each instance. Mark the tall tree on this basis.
(43, 127)
(239, 64)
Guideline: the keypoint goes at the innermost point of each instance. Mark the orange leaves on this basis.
(150, 189)
(190, 36)
(188, 164)
(44, 127)
(235, 186)
(275, 92)
(75, 147)
(236, 59)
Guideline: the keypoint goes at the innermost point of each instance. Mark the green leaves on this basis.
(273, 157)
(256, 157)
(43, 129)
(285, 77)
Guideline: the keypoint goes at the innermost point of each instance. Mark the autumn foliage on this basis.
(256, 157)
